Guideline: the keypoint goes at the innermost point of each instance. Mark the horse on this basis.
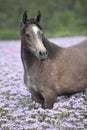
(50, 70)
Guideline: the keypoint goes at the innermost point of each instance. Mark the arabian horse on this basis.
(50, 70)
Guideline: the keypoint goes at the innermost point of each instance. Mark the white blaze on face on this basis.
(35, 29)
(39, 44)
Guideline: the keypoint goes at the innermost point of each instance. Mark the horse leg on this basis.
(37, 97)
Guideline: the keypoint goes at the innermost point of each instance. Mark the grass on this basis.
(15, 34)
(68, 32)
(9, 34)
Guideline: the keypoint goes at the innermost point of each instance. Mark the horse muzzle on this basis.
(43, 55)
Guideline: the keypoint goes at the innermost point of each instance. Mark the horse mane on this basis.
(52, 49)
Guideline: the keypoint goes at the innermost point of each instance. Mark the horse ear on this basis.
(25, 17)
(38, 16)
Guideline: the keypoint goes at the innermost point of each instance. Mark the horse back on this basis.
(82, 44)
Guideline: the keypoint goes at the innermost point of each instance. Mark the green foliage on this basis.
(59, 17)
(9, 34)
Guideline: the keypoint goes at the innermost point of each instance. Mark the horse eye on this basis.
(27, 35)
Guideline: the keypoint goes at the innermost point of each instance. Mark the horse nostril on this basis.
(43, 53)
(40, 53)
(46, 53)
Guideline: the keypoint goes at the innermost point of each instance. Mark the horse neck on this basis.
(53, 50)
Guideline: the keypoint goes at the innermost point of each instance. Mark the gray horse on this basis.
(49, 70)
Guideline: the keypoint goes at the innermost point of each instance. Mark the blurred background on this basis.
(62, 19)
(59, 17)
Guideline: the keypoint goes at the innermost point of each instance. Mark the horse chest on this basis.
(41, 78)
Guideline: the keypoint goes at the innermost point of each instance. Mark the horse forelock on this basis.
(28, 22)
